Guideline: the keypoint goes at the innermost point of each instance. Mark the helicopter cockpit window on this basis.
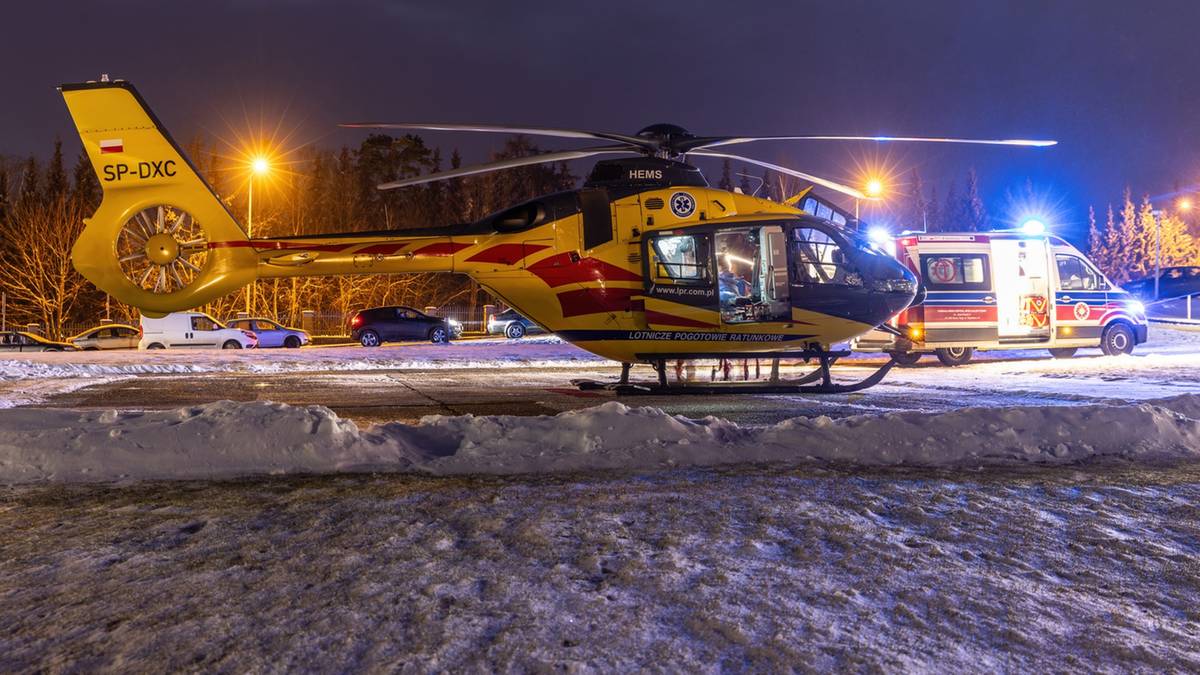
(822, 210)
(752, 274)
(817, 258)
(681, 259)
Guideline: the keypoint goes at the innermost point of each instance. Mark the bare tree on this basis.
(35, 261)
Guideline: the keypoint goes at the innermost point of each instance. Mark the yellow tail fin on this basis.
(161, 240)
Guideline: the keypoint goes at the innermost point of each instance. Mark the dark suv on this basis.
(373, 327)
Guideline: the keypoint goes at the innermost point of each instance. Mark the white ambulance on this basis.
(1005, 290)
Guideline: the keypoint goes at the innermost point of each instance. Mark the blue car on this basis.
(272, 333)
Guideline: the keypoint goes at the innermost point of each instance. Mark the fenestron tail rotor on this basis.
(162, 249)
(667, 141)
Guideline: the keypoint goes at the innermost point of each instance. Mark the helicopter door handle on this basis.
(1066, 298)
(989, 299)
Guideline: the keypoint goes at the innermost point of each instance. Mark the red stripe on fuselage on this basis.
(596, 300)
(444, 248)
(506, 254)
(382, 249)
(270, 245)
(560, 270)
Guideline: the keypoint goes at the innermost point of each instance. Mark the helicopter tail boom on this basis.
(149, 243)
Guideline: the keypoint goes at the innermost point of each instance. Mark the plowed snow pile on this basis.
(225, 439)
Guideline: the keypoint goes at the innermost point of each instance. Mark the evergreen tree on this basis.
(5, 205)
(726, 176)
(934, 215)
(30, 192)
(768, 187)
(973, 212)
(953, 217)
(85, 189)
(744, 184)
(56, 175)
(1178, 247)
(1144, 239)
(1095, 241)
(454, 207)
(916, 209)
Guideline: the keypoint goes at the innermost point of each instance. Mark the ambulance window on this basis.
(817, 258)
(1076, 275)
(951, 272)
(681, 258)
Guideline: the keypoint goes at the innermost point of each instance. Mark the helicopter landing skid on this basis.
(821, 376)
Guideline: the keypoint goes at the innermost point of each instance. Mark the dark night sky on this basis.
(1114, 82)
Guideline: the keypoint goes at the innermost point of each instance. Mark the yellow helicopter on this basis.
(644, 264)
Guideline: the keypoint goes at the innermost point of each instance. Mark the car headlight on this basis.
(1137, 307)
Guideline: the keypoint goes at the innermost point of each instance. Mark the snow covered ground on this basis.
(1018, 570)
(1052, 527)
(228, 439)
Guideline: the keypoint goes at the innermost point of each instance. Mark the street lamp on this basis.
(1158, 214)
(259, 166)
(873, 188)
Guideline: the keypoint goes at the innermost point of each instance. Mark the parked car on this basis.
(192, 330)
(1173, 282)
(272, 333)
(372, 327)
(108, 336)
(511, 325)
(21, 341)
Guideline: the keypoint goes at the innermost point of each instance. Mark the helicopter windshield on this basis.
(818, 258)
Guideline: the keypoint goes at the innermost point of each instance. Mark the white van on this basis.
(192, 330)
(1005, 290)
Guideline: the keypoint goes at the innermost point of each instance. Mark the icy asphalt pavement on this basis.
(1079, 569)
(533, 377)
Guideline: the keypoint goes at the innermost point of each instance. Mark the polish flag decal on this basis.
(113, 145)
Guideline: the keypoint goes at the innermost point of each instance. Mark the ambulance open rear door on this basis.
(1021, 271)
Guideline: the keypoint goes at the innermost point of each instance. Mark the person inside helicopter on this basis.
(747, 282)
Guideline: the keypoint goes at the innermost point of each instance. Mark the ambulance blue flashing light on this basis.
(1033, 226)
(879, 235)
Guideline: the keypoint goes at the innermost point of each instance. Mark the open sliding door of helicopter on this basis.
(752, 275)
(681, 289)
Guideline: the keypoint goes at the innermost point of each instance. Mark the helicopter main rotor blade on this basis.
(817, 180)
(717, 141)
(501, 129)
(544, 158)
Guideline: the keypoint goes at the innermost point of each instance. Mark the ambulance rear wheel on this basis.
(1118, 339)
(905, 358)
(955, 356)
(1063, 352)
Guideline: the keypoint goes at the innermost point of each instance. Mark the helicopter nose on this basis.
(892, 284)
